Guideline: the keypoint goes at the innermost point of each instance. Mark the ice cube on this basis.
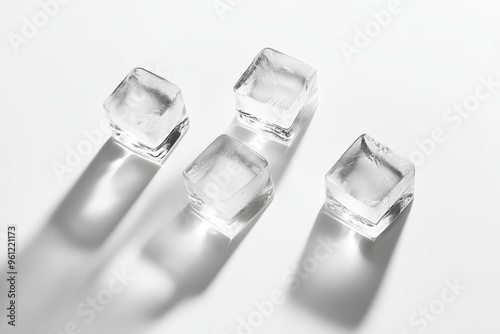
(228, 184)
(277, 94)
(147, 114)
(369, 186)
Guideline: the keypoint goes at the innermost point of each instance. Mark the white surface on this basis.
(397, 89)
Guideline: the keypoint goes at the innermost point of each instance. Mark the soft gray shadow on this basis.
(103, 194)
(54, 263)
(191, 252)
(177, 259)
(340, 271)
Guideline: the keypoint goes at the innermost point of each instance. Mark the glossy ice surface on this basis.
(147, 113)
(369, 186)
(228, 183)
(277, 94)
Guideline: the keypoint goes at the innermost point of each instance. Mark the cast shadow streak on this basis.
(102, 195)
(189, 254)
(349, 269)
(189, 251)
(83, 220)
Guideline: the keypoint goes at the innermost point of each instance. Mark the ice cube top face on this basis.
(369, 186)
(228, 184)
(146, 113)
(275, 94)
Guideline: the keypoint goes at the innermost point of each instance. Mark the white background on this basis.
(397, 89)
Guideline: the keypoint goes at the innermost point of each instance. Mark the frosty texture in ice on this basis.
(228, 184)
(147, 114)
(369, 186)
(277, 94)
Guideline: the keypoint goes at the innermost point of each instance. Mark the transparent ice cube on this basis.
(369, 186)
(147, 114)
(277, 94)
(228, 184)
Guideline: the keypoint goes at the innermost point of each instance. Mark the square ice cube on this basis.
(277, 94)
(369, 186)
(228, 184)
(147, 114)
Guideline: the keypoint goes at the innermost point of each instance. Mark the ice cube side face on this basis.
(228, 184)
(147, 114)
(369, 186)
(277, 95)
